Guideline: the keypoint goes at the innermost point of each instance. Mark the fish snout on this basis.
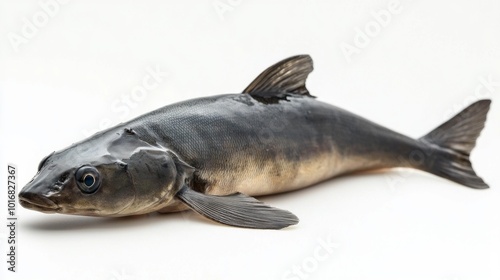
(33, 200)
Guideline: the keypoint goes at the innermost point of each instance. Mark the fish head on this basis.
(114, 174)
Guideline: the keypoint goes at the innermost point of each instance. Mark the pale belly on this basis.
(254, 178)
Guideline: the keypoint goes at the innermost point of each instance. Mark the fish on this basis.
(215, 154)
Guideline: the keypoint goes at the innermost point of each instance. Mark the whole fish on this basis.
(213, 154)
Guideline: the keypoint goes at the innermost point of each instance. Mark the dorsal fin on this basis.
(286, 76)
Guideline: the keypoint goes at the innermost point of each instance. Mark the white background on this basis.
(71, 75)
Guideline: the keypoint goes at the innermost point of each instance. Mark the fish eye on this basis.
(88, 179)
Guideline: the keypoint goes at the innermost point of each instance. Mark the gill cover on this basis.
(156, 175)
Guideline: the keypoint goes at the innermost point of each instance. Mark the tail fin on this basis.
(452, 143)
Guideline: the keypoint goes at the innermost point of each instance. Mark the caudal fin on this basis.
(452, 142)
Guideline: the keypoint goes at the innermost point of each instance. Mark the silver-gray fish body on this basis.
(239, 144)
(212, 154)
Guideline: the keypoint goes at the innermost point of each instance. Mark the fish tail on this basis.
(452, 142)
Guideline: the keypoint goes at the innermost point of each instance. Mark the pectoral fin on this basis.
(237, 210)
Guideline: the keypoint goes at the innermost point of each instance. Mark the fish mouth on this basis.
(37, 202)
